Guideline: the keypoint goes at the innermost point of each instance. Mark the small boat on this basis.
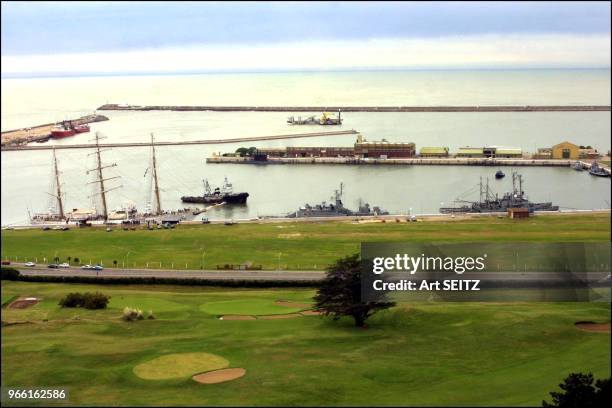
(500, 174)
(597, 170)
(81, 128)
(577, 166)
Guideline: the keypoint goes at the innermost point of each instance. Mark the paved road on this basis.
(301, 276)
(172, 273)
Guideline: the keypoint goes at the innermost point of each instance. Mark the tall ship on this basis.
(335, 209)
(489, 202)
(224, 194)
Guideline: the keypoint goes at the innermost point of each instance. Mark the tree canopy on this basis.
(340, 293)
(579, 392)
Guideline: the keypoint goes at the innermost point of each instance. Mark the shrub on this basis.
(9, 274)
(87, 300)
(150, 316)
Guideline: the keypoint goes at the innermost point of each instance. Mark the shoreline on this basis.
(391, 218)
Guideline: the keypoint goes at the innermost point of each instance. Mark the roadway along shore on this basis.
(184, 142)
(301, 276)
(547, 108)
(219, 275)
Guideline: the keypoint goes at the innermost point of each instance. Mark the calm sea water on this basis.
(280, 189)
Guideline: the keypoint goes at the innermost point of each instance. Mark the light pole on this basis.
(127, 259)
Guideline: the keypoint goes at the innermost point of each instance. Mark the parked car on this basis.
(53, 266)
(30, 264)
(64, 265)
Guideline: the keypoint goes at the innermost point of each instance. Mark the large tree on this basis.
(340, 293)
(579, 392)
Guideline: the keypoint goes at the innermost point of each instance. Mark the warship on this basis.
(335, 209)
(224, 194)
(489, 202)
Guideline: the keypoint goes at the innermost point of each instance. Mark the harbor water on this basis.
(278, 189)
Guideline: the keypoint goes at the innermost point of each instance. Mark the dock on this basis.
(181, 143)
(41, 133)
(451, 161)
(499, 108)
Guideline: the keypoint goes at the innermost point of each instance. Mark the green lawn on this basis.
(304, 246)
(414, 354)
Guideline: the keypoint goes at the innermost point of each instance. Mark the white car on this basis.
(64, 265)
(30, 264)
(87, 267)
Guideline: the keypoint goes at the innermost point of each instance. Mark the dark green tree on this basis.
(340, 293)
(579, 392)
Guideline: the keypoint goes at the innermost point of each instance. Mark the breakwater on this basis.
(500, 108)
(183, 142)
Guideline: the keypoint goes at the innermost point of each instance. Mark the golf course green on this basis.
(413, 354)
(296, 246)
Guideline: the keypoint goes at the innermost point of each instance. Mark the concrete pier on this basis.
(408, 162)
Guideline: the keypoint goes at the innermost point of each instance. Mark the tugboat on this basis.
(225, 194)
(597, 170)
(499, 175)
(489, 202)
(337, 209)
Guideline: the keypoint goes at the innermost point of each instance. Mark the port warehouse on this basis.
(384, 149)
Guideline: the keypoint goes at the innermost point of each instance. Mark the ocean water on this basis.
(279, 189)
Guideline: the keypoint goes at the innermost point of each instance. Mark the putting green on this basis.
(252, 307)
(179, 365)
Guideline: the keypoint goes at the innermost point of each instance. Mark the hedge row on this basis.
(14, 275)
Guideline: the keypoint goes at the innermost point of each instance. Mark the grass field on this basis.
(306, 246)
(414, 354)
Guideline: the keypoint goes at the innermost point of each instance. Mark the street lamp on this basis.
(127, 259)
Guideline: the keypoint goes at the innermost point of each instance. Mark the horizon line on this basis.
(69, 74)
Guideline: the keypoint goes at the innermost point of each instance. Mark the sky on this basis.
(131, 37)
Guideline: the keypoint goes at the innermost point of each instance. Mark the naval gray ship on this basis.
(489, 202)
(335, 209)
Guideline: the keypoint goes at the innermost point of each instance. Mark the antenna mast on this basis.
(159, 209)
(59, 190)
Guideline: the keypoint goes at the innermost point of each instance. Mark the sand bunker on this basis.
(179, 365)
(23, 303)
(219, 376)
(310, 313)
(237, 317)
(279, 316)
(288, 303)
(594, 327)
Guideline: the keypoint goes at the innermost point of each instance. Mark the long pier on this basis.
(180, 143)
(451, 161)
(498, 108)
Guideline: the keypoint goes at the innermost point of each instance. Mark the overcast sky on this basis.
(56, 37)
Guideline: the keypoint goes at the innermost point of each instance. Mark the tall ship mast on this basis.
(153, 185)
(56, 205)
(100, 177)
